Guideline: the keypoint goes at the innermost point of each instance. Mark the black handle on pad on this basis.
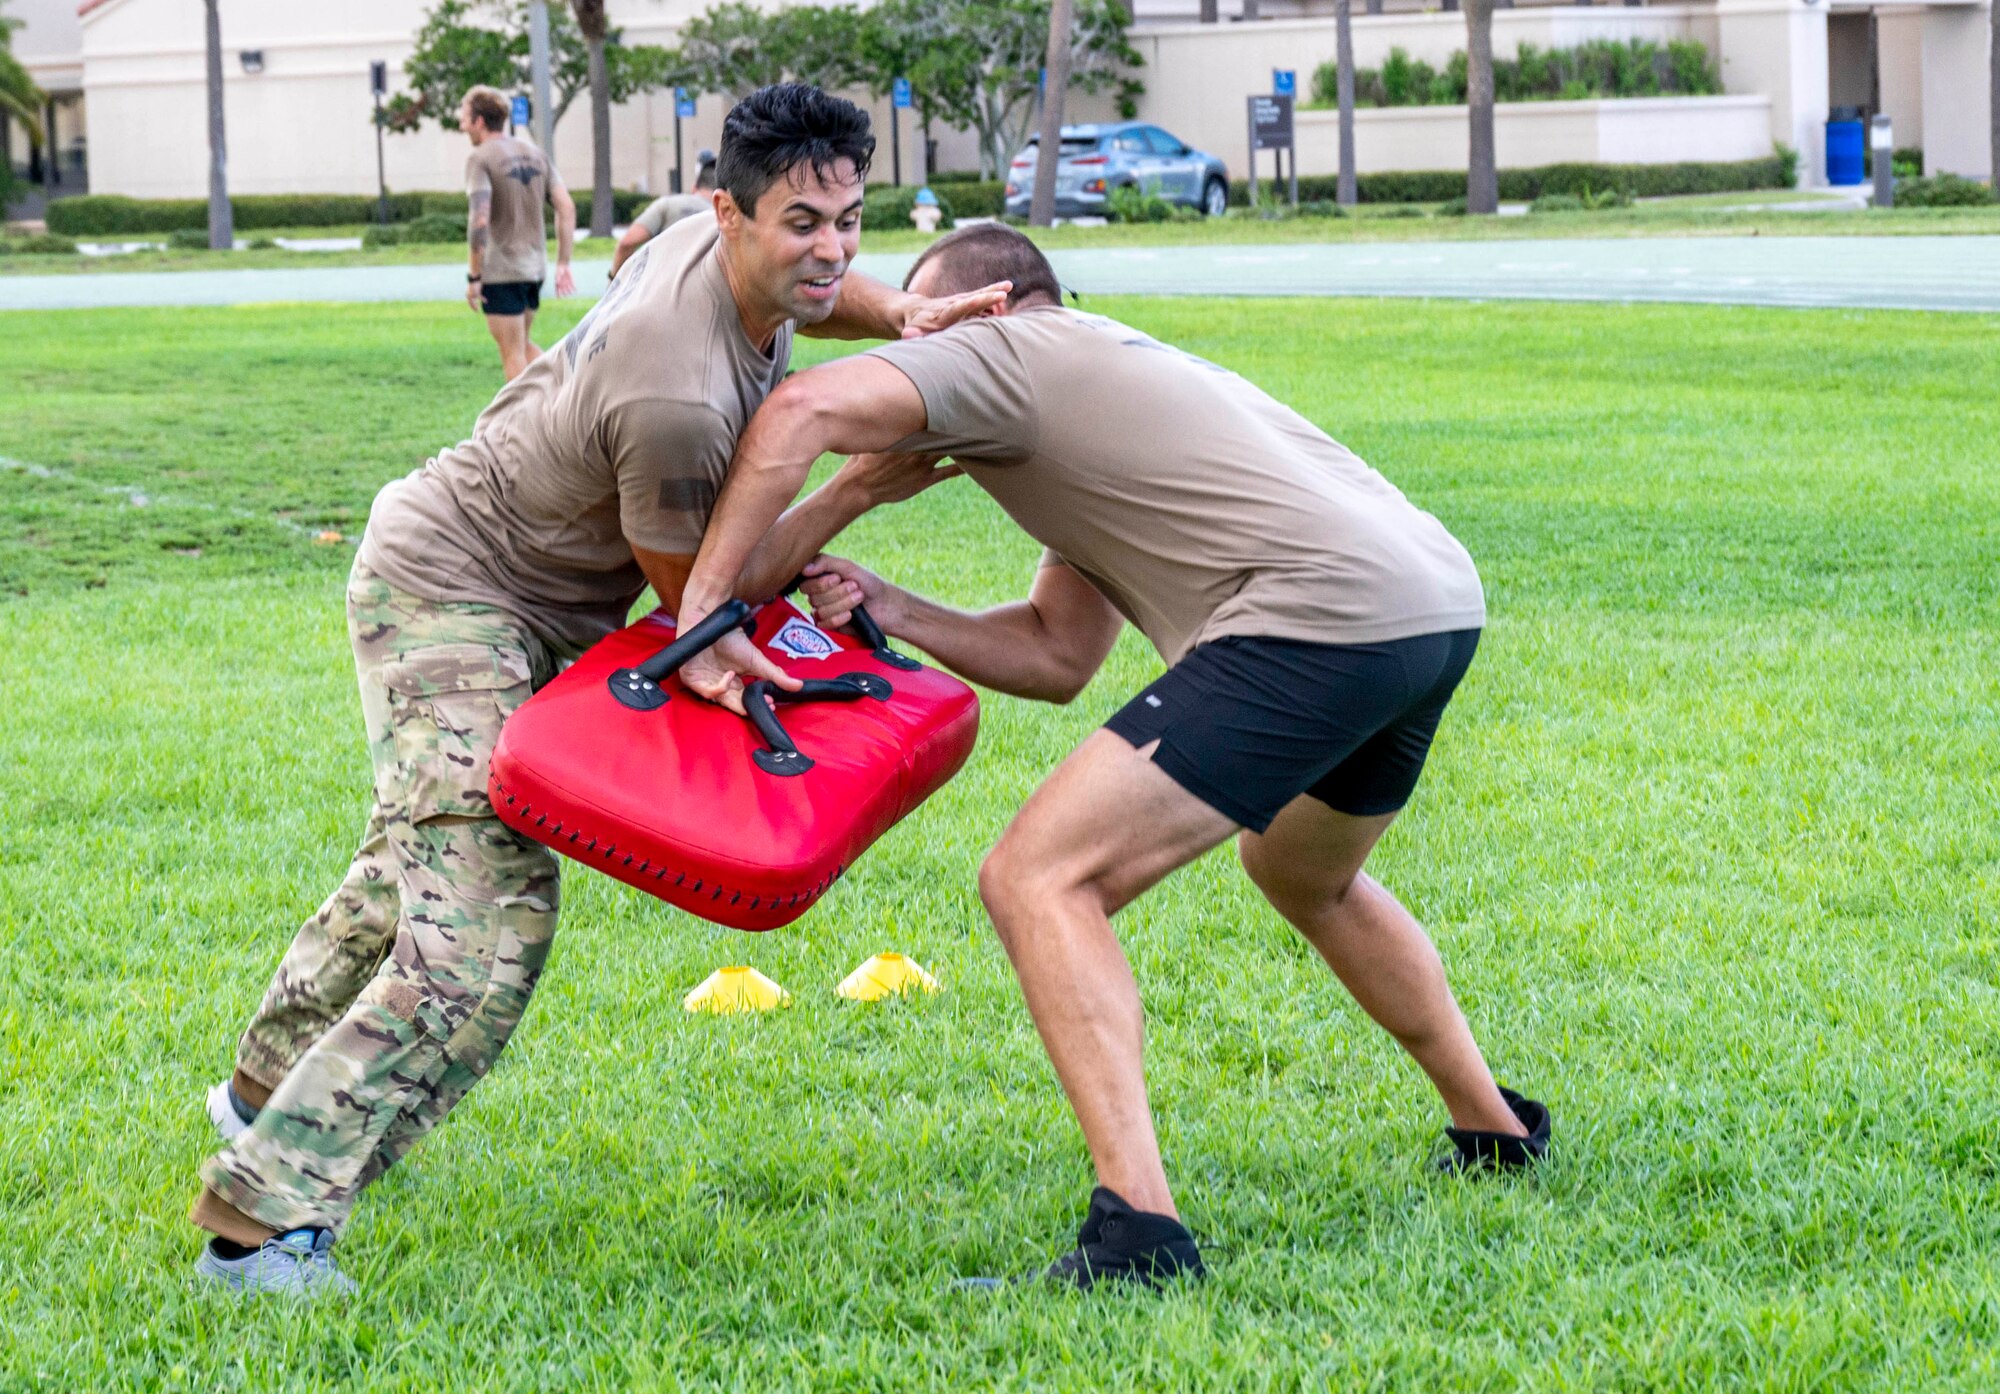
(724, 618)
(863, 623)
(781, 756)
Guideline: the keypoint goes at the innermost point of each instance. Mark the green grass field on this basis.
(1694, 217)
(1708, 843)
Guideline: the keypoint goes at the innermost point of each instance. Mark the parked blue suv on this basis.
(1094, 160)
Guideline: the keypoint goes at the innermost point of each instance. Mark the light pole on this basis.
(378, 83)
(538, 71)
(1882, 142)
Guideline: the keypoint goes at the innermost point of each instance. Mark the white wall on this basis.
(303, 125)
(1899, 43)
(1777, 48)
(1632, 131)
(49, 43)
(1958, 134)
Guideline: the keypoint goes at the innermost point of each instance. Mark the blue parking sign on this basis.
(899, 92)
(683, 103)
(1284, 82)
(519, 114)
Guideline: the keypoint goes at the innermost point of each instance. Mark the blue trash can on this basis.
(1846, 142)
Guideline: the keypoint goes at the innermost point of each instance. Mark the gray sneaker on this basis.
(226, 1111)
(298, 1263)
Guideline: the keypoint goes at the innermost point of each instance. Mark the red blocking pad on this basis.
(690, 802)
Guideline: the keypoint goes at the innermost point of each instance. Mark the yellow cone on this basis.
(885, 975)
(736, 990)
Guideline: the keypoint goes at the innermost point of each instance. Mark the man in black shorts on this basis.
(507, 181)
(1316, 623)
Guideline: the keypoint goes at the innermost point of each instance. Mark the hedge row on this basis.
(96, 215)
(1777, 171)
(973, 198)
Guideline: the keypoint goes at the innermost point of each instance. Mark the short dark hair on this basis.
(491, 107)
(704, 178)
(987, 252)
(777, 128)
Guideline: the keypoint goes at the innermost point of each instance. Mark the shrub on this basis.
(626, 204)
(188, 239)
(1557, 203)
(93, 215)
(40, 244)
(886, 206)
(1775, 171)
(432, 228)
(1599, 68)
(1321, 208)
(973, 198)
(263, 244)
(1453, 208)
(1942, 191)
(1130, 204)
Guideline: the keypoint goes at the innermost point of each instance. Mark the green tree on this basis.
(735, 48)
(19, 99)
(464, 43)
(977, 64)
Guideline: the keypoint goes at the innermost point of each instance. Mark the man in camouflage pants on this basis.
(589, 477)
(401, 1035)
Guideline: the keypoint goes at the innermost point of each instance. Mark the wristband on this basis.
(471, 277)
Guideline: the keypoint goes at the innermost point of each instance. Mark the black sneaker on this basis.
(1476, 1151)
(1120, 1244)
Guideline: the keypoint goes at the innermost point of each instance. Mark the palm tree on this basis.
(1482, 179)
(221, 221)
(590, 20)
(1343, 26)
(1042, 207)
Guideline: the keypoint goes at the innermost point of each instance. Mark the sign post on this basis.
(1271, 129)
(538, 73)
(519, 112)
(683, 110)
(899, 100)
(1285, 83)
(378, 83)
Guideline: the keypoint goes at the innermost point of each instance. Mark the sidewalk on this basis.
(1900, 273)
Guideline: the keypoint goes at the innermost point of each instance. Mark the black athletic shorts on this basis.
(511, 297)
(1246, 725)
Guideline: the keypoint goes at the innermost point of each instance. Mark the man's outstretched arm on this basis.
(868, 309)
(1045, 648)
(853, 406)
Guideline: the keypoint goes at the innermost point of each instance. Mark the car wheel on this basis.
(1215, 198)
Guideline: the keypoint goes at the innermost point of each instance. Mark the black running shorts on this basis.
(1246, 725)
(511, 297)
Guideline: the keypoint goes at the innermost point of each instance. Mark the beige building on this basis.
(131, 107)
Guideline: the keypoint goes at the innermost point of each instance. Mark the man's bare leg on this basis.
(510, 333)
(1103, 828)
(1308, 865)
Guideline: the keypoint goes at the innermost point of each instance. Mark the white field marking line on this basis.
(139, 498)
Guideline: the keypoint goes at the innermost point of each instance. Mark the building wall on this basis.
(1900, 61)
(49, 43)
(1641, 131)
(1957, 91)
(304, 125)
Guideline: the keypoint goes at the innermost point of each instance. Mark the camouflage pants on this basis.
(400, 993)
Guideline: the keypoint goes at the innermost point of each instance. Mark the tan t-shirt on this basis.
(619, 435)
(1198, 505)
(520, 178)
(663, 213)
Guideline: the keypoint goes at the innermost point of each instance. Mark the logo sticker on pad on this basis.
(799, 638)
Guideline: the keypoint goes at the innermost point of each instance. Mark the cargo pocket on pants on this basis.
(447, 703)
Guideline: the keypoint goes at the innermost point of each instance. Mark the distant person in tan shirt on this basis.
(1315, 621)
(662, 213)
(507, 182)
